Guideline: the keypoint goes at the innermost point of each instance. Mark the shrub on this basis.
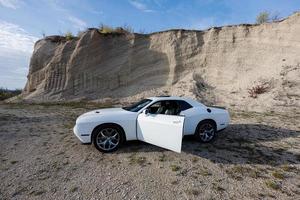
(263, 17)
(273, 185)
(266, 16)
(69, 36)
(104, 29)
(6, 93)
(256, 90)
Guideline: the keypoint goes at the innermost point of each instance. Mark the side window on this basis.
(156, 108)
(165, 108)
(184, 105)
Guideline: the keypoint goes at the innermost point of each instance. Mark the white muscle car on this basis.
(161, 121)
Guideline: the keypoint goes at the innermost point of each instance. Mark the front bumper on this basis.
(83, 137)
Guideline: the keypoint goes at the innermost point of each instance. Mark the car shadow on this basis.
(238, 144)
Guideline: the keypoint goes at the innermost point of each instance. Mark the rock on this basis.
(207, 65)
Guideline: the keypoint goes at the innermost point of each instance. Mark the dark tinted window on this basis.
(137, 106)
(184, 105)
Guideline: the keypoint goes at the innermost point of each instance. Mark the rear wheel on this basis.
(206, 131)
(107, 138)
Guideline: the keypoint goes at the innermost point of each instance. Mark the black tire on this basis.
(108, 143)
(206, 131)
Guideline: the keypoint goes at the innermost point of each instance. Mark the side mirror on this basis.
(146, 111)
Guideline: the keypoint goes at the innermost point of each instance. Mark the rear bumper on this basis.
(84, 138)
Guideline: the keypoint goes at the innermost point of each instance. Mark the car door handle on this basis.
(176, 122)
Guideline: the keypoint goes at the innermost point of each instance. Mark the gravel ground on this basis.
(256, 157)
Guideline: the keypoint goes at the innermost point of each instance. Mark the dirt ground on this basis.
(256, 157)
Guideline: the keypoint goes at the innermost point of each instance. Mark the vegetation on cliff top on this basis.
(265, 16)
(262, 17)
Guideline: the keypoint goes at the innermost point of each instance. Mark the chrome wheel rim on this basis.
(108, 139)
(206, 132)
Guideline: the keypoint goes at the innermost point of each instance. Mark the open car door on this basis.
(161, 130)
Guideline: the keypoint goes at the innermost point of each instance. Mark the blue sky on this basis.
(22, 22)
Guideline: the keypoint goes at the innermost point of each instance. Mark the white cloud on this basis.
(16, 46)
(140, 6)
(77, 23)
(15, 38)
(13, 4)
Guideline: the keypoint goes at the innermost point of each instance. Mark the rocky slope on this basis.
(217, 66)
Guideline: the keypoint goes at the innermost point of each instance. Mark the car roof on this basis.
(194, 103)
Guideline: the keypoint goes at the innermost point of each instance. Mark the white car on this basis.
(161, 121)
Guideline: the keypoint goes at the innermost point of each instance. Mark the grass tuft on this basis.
(278, 174)
(108, 30)
(256, 90)
(272, 184)
(175, 168)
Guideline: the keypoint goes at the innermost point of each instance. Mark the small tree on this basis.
(69, 36)
(263, 17)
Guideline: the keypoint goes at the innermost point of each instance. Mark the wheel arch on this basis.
(109, 124)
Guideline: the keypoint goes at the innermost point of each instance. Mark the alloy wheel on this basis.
(108, 139)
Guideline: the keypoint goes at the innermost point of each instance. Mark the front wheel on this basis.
(107, 138)
(206, 131)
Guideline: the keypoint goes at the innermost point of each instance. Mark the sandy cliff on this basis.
(217, 66)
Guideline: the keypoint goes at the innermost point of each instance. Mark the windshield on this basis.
(138, 106)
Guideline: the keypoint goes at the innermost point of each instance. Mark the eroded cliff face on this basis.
(217, 66)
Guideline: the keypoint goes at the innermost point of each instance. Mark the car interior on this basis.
(165, 107)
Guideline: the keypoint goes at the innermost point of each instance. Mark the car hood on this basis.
(95, 114)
